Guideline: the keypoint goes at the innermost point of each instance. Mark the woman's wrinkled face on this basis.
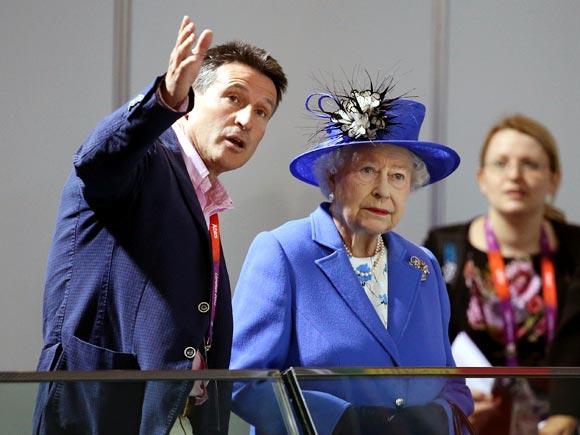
(371, 189)
(516, 175)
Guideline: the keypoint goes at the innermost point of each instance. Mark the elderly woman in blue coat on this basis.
(340, 288)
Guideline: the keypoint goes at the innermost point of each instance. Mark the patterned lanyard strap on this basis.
(501, 284)
(214, 235)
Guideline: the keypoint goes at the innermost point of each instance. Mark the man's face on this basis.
(229, 119)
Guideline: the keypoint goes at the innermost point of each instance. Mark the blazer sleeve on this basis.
(111, 161)
(263, 331)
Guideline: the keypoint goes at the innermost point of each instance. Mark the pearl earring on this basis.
(331, 197)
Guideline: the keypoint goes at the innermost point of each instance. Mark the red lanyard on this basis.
(500, 281)
(214, 235)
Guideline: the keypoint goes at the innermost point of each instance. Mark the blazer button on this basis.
(399, 402)
(136, 101)
(189, 352)
(203, 307)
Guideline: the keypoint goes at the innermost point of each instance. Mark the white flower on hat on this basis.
(367, 100)
(359, 115)
(342, 117)
(359, 126)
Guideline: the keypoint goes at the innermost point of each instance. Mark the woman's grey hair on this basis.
(329, 164)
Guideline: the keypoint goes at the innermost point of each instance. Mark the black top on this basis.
(475, 309)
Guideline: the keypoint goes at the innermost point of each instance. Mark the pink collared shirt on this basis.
(213, 197)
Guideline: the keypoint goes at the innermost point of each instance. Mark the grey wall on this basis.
(56, 83)
(524, 59)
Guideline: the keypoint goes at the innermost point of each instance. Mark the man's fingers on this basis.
(189, 66)
(185, 33)
(184, 62)
(203, 43)
(190, 47)
(184, 49)
(189, 58)
(184, 22)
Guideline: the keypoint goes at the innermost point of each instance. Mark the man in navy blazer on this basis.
(129, 275)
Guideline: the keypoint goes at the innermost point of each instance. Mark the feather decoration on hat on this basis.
(358, 114)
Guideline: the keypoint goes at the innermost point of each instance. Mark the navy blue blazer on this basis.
(129, 265)
(298, 303)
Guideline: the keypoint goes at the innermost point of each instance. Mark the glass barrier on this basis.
(513, 401)
(119, 402)
(354, 401)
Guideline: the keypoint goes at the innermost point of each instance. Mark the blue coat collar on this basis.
(403, 279)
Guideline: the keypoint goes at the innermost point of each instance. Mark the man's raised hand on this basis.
(184, 63)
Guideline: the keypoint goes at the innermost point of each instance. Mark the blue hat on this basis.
(367, 117)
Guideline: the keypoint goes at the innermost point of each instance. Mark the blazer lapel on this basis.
(337, 268)
(403, 286)
(169, 139)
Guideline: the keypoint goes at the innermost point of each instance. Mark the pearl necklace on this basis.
(378, 248)
(375, 259)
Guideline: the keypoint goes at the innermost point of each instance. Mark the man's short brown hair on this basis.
(244, 53)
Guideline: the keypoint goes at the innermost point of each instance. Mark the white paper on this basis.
(467, 354)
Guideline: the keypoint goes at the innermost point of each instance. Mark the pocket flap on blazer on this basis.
(81, 355)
